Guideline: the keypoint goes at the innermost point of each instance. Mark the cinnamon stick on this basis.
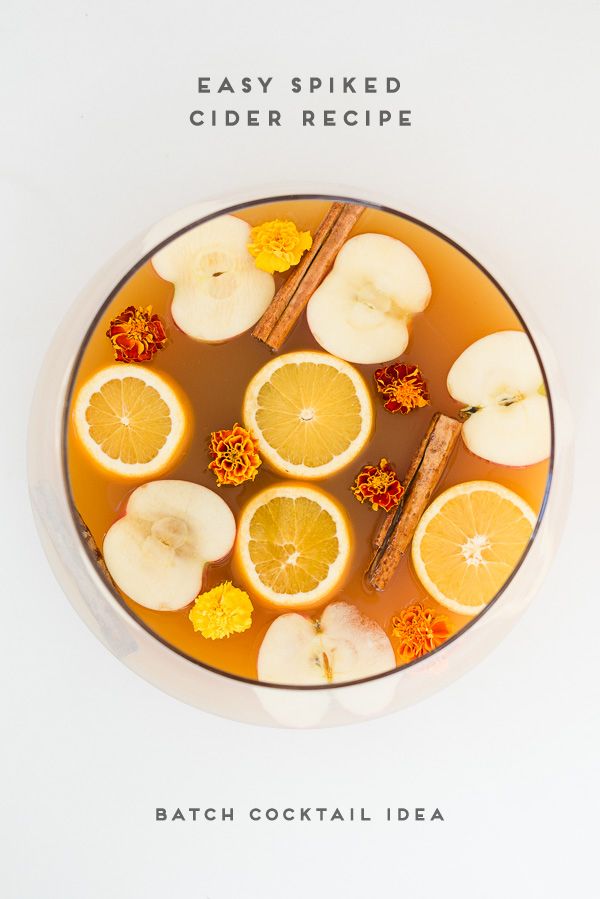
(290, 300)
(273, 313)
(423, 476)
(408, 478)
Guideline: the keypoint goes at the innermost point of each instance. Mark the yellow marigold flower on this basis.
(278, 245)
(222, 611)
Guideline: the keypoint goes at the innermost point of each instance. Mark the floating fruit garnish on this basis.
(499, 381)
(294, 545)
(312, 413)
(130, 420)
(235, 456)
(341, 645)
(361, 310)
(136, 334)
(222, 611)
(379, 486)
(157, 551)
(277, 245)
(219, 292)
(402, 386)
(468, 543)
(419, 630)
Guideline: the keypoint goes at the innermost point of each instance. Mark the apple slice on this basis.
(219, 291)
(157, 552)
(362, 309)
(342, 645)
(499, 381)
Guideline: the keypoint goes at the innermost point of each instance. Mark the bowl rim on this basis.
(107, 585)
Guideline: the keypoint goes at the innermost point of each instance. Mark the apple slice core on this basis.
(157, 552)
(219, 291)
(342, 645)
(499, 381)
(361, 310)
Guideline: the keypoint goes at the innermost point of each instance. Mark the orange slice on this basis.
(293, 545)
(311, 413)
(469, 541)
(130, 420)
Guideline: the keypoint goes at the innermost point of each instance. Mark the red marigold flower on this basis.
(419, 630)
(136, 334)
(235, 456)
(402, 386)
(379, 486)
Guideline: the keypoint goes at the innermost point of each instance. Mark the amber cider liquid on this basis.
(465, 306)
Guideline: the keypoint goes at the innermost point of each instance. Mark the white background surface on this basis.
(96, 145)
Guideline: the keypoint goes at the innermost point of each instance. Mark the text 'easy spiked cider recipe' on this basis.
(310, 442)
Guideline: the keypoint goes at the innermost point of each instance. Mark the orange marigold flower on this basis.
(136, 334)
(235, 456)
(419, 630)
(403, 387)
(379, 486)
